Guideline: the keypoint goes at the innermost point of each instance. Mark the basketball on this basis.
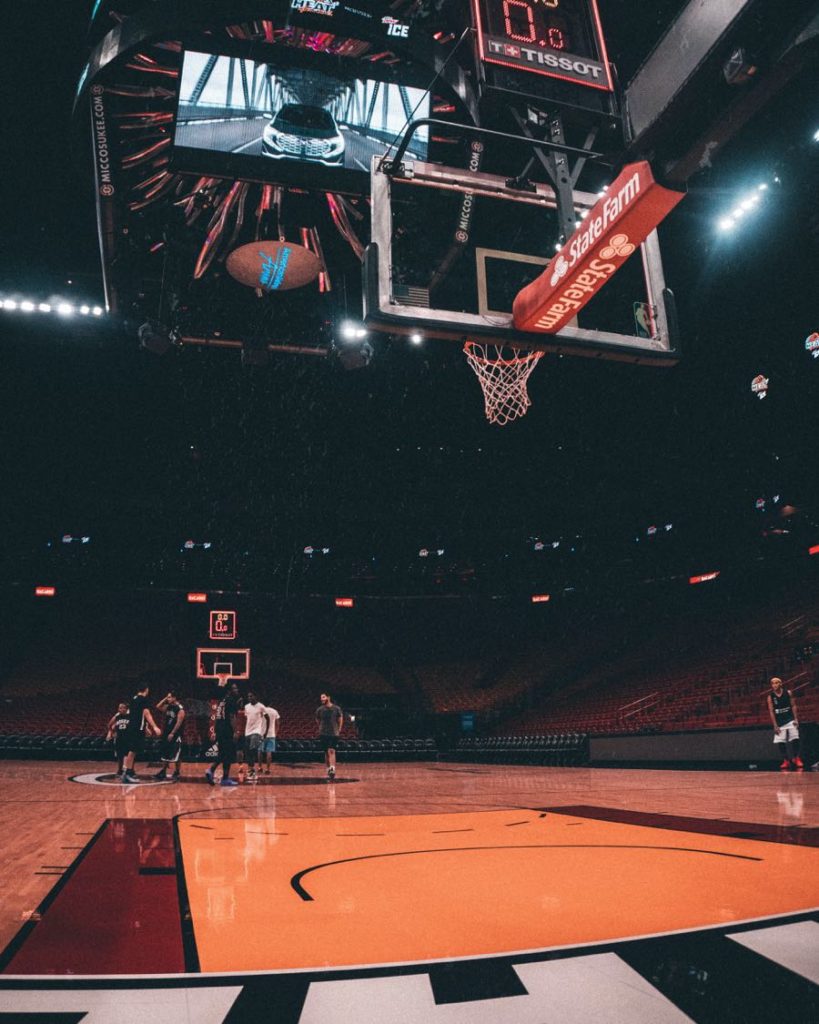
(273, 266)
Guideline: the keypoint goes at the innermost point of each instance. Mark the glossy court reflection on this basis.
(377, 890)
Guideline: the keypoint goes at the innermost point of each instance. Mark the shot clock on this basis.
(558, 38)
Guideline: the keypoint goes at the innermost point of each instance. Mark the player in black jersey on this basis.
(117, 728)
(229, 704)
(170, 744)
(140, 720)
(782, 709)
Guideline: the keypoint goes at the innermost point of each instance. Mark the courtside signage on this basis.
(705, 577)
(633, 205)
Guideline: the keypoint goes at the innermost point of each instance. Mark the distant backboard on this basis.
(452, 248)
(212, 662)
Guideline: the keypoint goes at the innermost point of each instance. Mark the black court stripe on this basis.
(272, 997)
(35, 1017)
(189, 950)
(716, 981)
(295, 881)
(16, 943)
(470, 980)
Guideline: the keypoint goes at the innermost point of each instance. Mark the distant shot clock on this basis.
(559, 38)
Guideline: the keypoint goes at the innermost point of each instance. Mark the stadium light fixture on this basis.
(745, 205)
(416, 338)
(62, 308)
(351, 331)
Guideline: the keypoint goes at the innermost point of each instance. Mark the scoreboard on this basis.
(560, 39)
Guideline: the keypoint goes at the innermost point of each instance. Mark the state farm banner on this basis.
(632, 207)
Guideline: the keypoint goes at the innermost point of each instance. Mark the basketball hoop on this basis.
(503, 373)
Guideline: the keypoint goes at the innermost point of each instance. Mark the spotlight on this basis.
(351, 331)
(153, 337)
(416, 338)
(65, 308)
(9, 304)
(44, 307)
(726, 223)
(85, 310)
(26, 306)
(97, 310)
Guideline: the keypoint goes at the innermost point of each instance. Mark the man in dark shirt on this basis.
(170, 751)
(140, 720)
(229, 704)
(117, 729)
(330, 721)
(782, 709)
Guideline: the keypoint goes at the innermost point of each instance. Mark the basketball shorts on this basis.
(170, 750)
(226, 744)
(269, 745)
(328, 742)
(133, 741)
(787, 733)
(253, 743)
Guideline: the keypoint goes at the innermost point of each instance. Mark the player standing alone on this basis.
(330, 721)
(170, 746)
(782, 709)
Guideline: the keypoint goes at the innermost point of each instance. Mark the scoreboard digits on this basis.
(558, 38)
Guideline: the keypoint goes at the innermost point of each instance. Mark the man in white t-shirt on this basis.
(269, 743)
(255, 729)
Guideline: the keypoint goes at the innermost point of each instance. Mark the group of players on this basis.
(244, 733)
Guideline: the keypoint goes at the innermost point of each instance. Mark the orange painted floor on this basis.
(289, 893)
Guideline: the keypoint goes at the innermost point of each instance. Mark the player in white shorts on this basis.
(782, 709)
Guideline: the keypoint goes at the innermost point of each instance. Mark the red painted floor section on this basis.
(117, 912)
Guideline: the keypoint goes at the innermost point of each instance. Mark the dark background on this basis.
(104, 440)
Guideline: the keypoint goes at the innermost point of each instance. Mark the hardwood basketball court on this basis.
(441, 886)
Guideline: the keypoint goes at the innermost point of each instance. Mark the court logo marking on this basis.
(110, 779)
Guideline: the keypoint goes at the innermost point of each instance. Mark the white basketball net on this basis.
(503, 373)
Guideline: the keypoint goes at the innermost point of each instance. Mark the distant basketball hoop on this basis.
(503, 373)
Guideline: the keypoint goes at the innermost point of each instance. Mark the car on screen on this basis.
(300, 131)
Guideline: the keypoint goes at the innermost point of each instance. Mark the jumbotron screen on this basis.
(281, 117)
